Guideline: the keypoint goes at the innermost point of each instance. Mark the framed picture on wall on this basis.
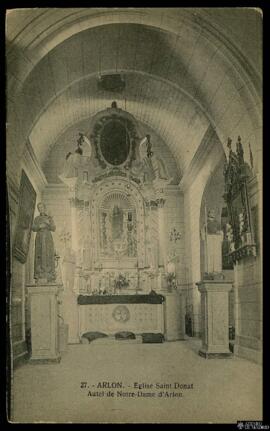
(27, 203)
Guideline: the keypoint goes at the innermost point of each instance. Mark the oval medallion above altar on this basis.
(114, 134)
(114, 142)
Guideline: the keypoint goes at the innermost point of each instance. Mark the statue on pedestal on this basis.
(74, 161)
(44, 265)
(213, 244)
(155, 168)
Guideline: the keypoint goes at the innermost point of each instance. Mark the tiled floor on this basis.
(224, 390)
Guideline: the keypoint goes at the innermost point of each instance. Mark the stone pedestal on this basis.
(215, 318)
(44, 322)
(174, 316)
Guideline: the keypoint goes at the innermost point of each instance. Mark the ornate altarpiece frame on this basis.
(237, 173)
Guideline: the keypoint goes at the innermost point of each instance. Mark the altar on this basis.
(117, 279)
(120, 313)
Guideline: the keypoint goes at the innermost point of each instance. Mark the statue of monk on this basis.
(44, 265)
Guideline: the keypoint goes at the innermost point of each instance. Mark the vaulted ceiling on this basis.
(185, 70)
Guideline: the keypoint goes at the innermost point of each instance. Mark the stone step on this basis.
(112, 340)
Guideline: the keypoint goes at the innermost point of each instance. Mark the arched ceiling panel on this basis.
(28, 28)
(182, 73)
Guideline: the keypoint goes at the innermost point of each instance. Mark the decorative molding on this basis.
(151, 204)
(116, 172)
(173, 188)
(213, 276)
(121, 313)
(242, 252)
(160, 202)
(57, 187)
(155, 203)
(175, 235)
(65, 236)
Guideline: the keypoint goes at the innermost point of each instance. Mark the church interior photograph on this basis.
(134, 215)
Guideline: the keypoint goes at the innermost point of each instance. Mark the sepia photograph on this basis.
(134, 219)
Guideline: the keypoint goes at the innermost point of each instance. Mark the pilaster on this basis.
(215, 318)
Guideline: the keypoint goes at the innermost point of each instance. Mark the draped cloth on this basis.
(44, 265)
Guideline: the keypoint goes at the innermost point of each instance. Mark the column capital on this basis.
(214, 286)
(151, 204)
(78, 203)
